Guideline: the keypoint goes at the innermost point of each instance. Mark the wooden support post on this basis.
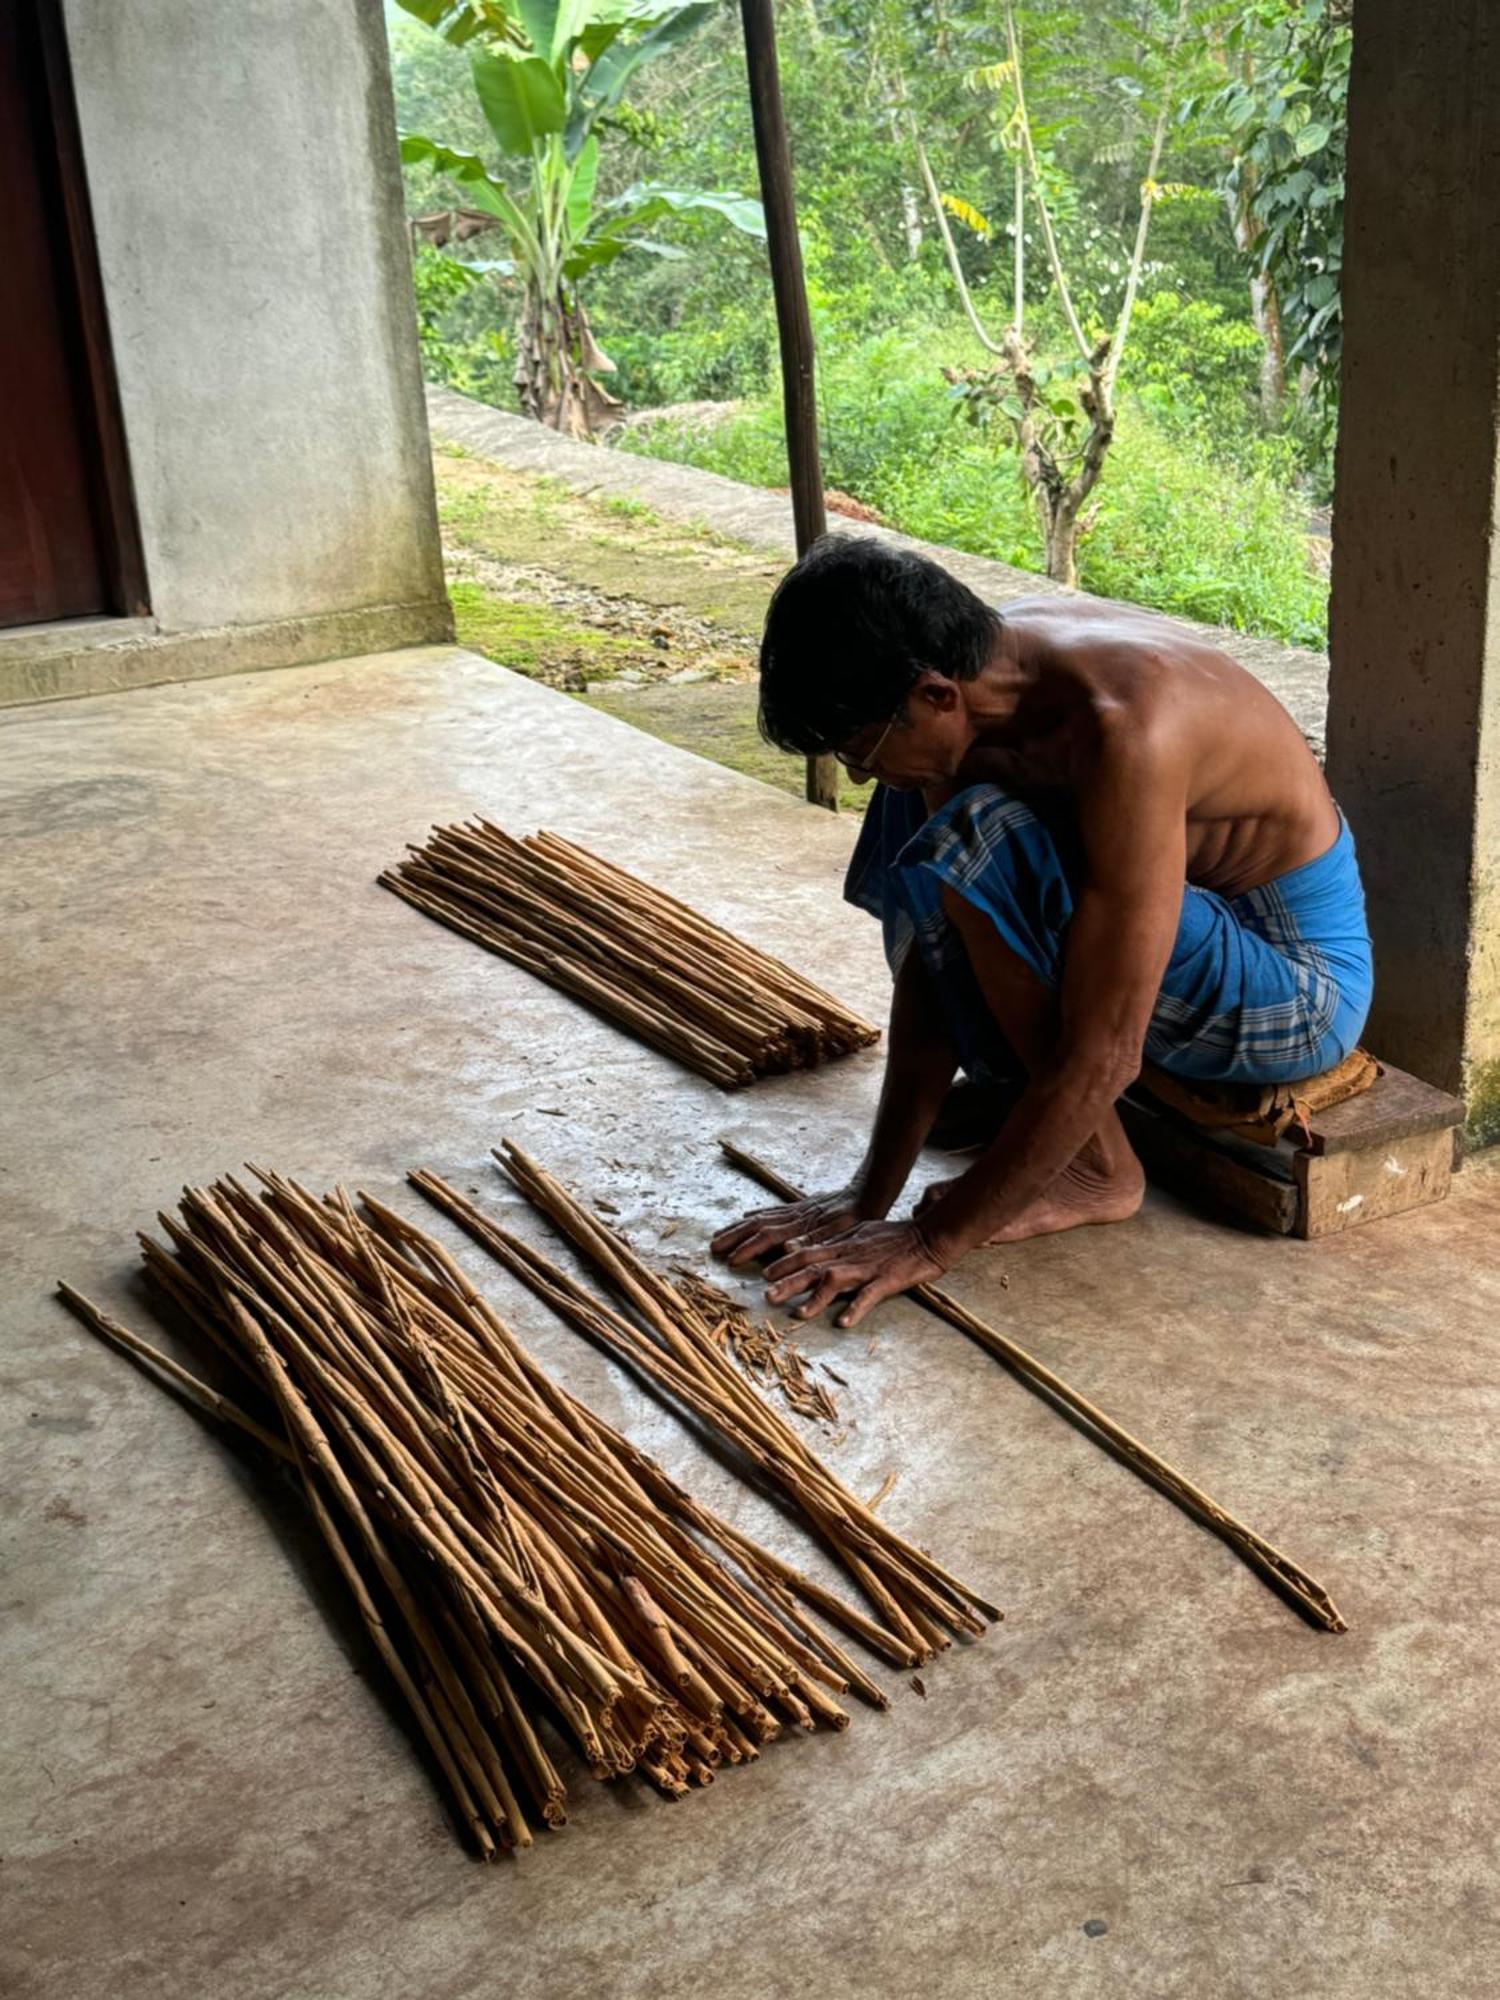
(1414, 622)
(793, 323)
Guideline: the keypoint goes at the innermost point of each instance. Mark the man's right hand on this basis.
(799, 1223)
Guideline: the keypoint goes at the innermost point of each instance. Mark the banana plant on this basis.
(549, 74)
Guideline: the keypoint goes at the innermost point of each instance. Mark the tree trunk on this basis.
(1060, 533)
(556, 359)
(894, 91)
(1265, 307)
(530, 373)
(1059, 498)
(911, 223)
(1265, 312)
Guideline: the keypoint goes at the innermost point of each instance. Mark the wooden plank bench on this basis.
(1393, 1148)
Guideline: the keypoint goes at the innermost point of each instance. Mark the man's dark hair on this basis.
(848, 633)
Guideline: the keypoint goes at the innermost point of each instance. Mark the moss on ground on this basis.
(609, 548)
(610, 545)
(535, 640)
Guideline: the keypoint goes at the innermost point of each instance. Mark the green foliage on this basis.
(701, 326)
(1196, 371)
(542, 102)
(1201, 509)
(522, 100)
(434, 93)
(1183, 534)
(1285, 114)
(1094, 81)
(1173, 528)
(461, 344)
(547, 77)
(460, 21)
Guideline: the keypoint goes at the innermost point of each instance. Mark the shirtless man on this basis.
(1095, 839)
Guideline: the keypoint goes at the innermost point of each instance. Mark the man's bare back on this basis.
(1257, 803)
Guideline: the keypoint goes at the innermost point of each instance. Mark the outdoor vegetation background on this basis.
(1212, 503)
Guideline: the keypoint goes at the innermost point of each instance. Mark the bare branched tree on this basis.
(1063, 440)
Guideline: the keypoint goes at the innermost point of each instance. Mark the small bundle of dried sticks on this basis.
(760, 1347)
(919, 1605)
(520, 1566)
(635, 953)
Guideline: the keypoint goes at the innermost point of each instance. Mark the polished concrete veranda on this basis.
(1152, 1780)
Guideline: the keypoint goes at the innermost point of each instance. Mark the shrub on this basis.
(1174, 527)
(1196, 371)
(1180, 532)
(464, 331)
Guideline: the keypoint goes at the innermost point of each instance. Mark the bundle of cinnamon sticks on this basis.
(529, 1577)
(662, 970)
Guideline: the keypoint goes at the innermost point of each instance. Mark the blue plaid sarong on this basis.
(1267, 987)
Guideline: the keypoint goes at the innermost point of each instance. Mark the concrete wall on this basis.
(1414, 697)
(246, 195)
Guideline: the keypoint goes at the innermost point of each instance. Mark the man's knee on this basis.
(964, 916)
(1001, 857)
(989, 946)
(1000, 878)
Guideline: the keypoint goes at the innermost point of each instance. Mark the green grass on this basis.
(626, 509)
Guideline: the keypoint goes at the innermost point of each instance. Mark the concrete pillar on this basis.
(1414, 699)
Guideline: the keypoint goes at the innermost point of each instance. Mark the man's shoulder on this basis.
(1093, 630)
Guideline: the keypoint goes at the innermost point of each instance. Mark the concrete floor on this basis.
(1153, 1780)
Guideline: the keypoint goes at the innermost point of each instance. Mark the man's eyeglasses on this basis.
(865, 761)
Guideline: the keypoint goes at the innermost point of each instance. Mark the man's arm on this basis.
(1132, 794)
(920, 1061)
(920, 1064)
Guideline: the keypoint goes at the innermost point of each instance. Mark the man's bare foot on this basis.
(1080, 1195)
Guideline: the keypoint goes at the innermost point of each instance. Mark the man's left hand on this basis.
(874, 1261)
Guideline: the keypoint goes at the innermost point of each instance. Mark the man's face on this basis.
(921, 746)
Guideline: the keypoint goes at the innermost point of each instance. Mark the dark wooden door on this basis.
(67, 540)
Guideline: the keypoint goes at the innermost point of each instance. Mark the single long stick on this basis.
(196, 1391)
(1284, 1575)
(793, 319)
